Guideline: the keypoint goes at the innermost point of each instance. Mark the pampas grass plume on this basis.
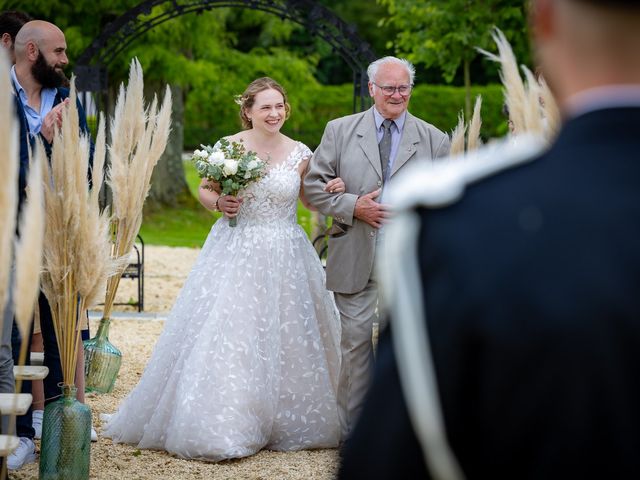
(138, 139)
(457, 137)
(473, 135)
(533, 109)
(531, 105)
(77, 258)
(29, 245)
(550, 110)
(9, 178)
(514, 89)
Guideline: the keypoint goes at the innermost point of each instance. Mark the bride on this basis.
(249, 356)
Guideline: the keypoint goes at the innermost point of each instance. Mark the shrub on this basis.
(314, 105)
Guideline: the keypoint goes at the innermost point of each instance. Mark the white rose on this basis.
(252, 165)
(230, 166)
(216, 158)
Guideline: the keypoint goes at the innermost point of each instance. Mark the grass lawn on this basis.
(189, 226)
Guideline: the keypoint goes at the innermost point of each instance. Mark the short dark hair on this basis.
(12, 21)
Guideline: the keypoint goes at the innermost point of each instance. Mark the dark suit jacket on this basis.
(26, 140)
(52, 355)
(532, 294)
(24, 150)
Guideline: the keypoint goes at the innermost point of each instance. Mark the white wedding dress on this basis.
(249, 356)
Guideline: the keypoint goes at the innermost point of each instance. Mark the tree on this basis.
(446, 33)
(211, 57)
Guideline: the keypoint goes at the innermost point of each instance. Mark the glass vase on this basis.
(101, 361)
(66, 438)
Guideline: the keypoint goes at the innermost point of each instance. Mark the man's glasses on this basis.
(403, 90)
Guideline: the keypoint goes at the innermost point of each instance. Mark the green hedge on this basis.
(440, 105)
(311, 109)
(315, 105)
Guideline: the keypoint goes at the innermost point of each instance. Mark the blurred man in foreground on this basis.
(529, 284)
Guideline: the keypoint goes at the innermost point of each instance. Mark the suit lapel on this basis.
(58, 98)
(408, 143)
(368, 140)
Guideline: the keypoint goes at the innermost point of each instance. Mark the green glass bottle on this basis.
(66, 438)
(101, 361)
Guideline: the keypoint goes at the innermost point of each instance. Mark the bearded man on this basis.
(40, 86)
(37, 76)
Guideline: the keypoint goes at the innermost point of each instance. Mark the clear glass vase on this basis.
(66, 438)
(101, 361)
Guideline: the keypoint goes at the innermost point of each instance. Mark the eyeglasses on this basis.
(388, 90)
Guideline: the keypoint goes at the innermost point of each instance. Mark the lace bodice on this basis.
(274, 197)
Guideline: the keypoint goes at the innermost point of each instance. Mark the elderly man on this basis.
(366, 150)
(530, 286)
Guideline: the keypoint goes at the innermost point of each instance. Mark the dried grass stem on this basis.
(138, 138)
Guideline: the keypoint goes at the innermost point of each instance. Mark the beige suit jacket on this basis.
(349, 150)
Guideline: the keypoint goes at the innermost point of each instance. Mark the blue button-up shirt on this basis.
(396, 134)
(34, 118)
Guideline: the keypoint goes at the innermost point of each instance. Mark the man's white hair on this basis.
(372, 69)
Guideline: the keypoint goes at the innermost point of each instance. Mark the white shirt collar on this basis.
(14, 80)
(378, 118)
(598, 98)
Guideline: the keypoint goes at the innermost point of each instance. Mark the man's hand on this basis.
(53, 119)
(370, 211)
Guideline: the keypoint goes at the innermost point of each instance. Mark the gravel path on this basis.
(166, 270)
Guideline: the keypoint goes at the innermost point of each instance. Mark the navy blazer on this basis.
(532, 295)
(27, 140)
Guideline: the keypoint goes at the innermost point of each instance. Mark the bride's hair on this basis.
(247, 99)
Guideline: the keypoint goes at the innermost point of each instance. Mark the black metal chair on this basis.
(135, 270)
(321, 245)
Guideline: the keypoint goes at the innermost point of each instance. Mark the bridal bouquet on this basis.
(230, 165)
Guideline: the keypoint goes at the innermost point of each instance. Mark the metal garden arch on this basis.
(91, 66)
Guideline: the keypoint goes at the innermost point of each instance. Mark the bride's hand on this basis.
(229, 205)
(335, 186)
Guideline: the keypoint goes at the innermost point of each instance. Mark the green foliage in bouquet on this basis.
(229, 165)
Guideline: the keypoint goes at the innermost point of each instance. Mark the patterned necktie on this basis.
(385, 147)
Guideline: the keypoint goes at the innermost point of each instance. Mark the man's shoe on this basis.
(25, 453)
(37, 423)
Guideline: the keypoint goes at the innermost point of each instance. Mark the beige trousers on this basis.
(358, 312)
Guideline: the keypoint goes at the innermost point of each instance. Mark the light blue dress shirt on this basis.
(396, 134)
(34, 118)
